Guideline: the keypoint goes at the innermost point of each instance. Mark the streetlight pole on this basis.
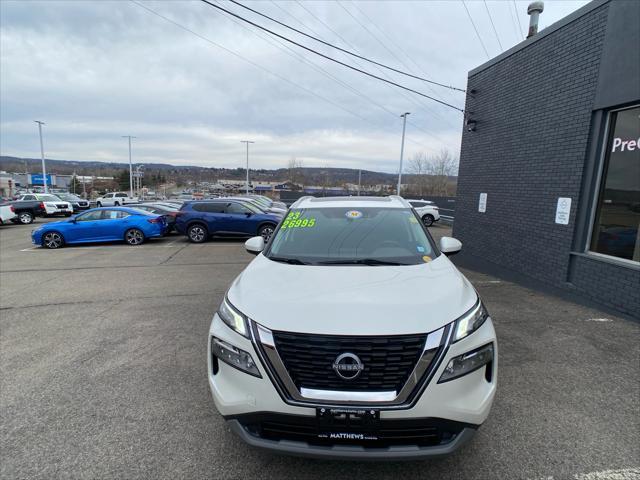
(130, 167)
(404, 126)
(359, 180)
(247, 142)
(44, 170)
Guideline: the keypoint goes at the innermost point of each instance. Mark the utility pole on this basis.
(404, 126)
(359, 180)
(247, 142)
(44, 170)
(139, 179)
(130, 166)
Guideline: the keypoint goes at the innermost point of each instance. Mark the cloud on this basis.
(94, 71)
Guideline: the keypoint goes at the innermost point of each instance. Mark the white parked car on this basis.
(7, 213)
(115, 199)
(52, 204)
(352, 335)
(426, 210)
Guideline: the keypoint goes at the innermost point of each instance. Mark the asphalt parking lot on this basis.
(103, 375)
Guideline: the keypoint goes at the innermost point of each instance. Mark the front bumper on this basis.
(465, 401)
(58, 211)
(252, 436)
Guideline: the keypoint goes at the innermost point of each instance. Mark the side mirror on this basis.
(450, 246)
(254, 245)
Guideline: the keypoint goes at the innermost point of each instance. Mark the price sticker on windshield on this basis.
(293, 220)
(354, 214)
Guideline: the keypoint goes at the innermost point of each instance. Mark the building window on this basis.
(615, 230)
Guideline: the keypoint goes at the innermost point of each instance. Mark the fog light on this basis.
(467, 363)
(234, 356)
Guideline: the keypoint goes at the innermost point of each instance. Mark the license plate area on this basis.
(348, 425)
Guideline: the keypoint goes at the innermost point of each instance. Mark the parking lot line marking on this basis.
(622, 474)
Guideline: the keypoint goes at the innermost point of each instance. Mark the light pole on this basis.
(139, 179)
(359, 180)
(404, 126)
(247, 142)
(44, 170)
(130, 166)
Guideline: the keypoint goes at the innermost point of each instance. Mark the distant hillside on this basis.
(312, 176)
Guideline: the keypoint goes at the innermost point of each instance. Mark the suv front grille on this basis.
(388, 360)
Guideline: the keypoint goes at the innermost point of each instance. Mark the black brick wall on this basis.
(534, 111)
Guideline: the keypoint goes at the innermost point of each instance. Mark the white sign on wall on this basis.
(563, 210)
(482, 204)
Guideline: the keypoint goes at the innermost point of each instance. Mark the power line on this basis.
(513, 22)
(257, 65)
(436, 137)
(241, 57)
(492, 25)
(318, 68)
(435, 113)
(395, 44)
(475, 28)
(330, 58)
(328, 27)
(515, 7)
(343, 50)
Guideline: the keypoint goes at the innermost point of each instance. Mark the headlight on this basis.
(470, 322)
(467, 363)
(234, 356)
(232, 317)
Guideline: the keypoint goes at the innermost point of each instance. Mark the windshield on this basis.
(69, 197)
(370, 236)
(48, 198)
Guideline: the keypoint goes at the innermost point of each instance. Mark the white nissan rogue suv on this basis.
(352, 335)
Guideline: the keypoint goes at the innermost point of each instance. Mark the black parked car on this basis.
(169, 212)
(78, 204)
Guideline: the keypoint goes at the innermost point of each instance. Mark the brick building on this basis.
(549, 179)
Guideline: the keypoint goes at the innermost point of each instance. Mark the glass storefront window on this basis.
(615, 230)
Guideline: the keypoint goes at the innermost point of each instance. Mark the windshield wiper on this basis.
(360, 261)
(290, 261)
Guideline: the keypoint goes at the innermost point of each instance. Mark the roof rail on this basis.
(306, 197)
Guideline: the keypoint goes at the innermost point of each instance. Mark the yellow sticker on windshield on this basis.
(413, 220)
(426, 258)
(296, 222)
(353, 214)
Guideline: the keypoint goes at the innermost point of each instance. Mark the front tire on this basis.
(427, 220)
(197, 233)
(98, 204)
(53, 240)
(134, 237)
(25, 218)
(266, 231)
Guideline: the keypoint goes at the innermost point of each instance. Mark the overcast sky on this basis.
(97, 70)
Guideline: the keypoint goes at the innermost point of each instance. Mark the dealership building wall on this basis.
(546, 189)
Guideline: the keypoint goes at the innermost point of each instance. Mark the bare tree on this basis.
(431, 173)
(294, 171)
(419, 167)
(441, 167)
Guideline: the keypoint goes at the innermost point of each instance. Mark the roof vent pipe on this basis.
(534, 10)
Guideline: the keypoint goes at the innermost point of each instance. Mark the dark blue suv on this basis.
(200, 220)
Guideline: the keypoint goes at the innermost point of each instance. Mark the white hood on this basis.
(352, 299)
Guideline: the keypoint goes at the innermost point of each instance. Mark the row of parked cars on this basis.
(135, 223)
(238, 216)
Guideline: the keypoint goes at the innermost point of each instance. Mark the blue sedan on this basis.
(106, 224)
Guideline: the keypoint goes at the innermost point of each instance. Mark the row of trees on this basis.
(431, 174)
(428, 174)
